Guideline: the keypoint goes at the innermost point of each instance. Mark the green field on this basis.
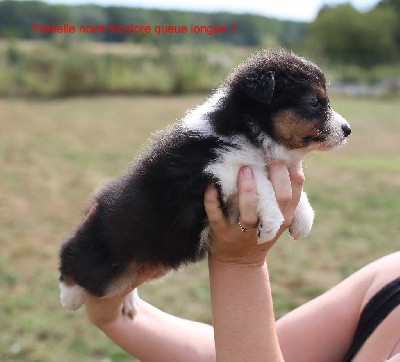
(54, 153)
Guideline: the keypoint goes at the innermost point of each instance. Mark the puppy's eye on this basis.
(311, 101)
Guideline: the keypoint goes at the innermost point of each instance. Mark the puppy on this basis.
(274, 106)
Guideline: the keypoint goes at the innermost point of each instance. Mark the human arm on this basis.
(242, 307)
(323, 329)
(243, 316)
(244, 326)
(152, 335)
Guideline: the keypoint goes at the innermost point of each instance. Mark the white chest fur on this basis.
(226, 169)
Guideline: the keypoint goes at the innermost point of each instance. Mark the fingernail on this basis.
(247, 172)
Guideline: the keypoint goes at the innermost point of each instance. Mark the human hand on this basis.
(230, 243)
(104, 310)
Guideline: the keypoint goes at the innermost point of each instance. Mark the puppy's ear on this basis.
(260, 87)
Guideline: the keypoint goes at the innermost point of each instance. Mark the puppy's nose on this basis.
(346, 129)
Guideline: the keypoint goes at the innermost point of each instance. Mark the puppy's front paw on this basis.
(72, 297)
(303, 219)
(130, 304)
(268, 228)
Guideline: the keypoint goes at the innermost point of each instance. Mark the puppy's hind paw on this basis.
(72, 296)
(130, 304)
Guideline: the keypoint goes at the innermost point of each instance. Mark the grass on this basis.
(54, 153)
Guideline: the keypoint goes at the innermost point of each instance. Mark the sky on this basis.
(304, 10)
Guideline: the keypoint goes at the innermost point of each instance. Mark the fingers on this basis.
(297, 181)
(212, 205)
(288, 186)
(248, 198)
(279, 176)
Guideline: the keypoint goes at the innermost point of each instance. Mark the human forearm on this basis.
(153, 335)
(244, 323)
(102, 311)
(242, 308)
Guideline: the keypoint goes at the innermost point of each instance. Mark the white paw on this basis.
(303, 219)
(130, 304)
(270, 215)
(72, 297)
(267, 229)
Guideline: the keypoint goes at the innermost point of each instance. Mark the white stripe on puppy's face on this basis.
(338, 129)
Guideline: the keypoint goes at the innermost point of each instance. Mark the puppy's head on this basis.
(284, 96)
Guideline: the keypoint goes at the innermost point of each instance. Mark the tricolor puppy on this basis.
(274, 106)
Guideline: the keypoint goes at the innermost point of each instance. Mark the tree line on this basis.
(340, 33)
(17, 19)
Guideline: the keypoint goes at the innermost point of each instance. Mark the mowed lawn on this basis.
(53, 154)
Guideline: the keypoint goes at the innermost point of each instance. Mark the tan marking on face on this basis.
(291, 129)
(320, 92)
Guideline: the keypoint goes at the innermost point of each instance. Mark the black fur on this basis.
(139, 219)
(154, 213)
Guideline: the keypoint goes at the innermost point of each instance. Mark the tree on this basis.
(345, 35)
(17, 18)
(393, 5)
